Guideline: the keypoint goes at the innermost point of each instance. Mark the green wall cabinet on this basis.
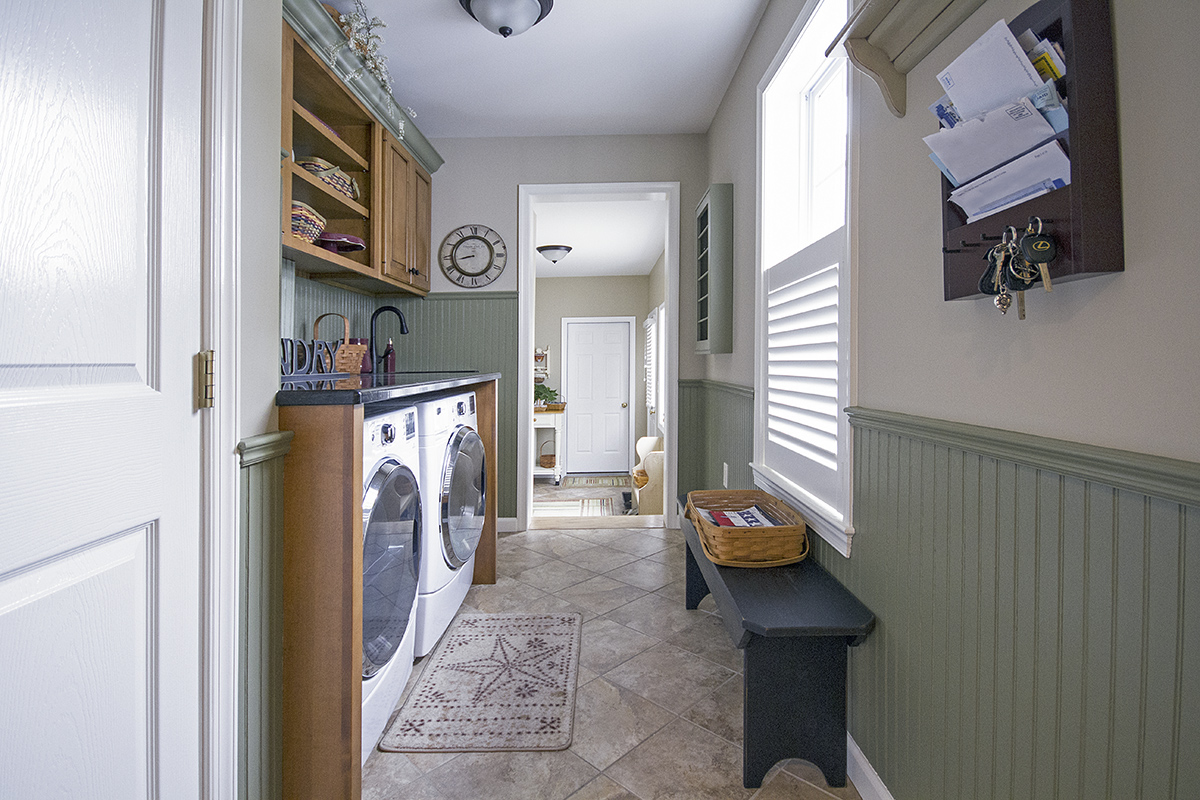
(714, 270)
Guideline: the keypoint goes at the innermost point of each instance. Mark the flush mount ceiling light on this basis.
(554, 252)
(508, 17)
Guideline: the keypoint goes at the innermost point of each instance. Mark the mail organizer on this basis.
(1084, 217)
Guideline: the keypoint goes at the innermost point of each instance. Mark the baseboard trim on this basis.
(506, 525)
(870, 786)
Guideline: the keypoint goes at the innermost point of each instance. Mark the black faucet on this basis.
(376, 358)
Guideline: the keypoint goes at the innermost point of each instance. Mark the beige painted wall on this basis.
(479, 182)
(1108, 360)
(258, 311)
(616, 296)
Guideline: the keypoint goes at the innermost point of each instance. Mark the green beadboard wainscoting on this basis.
(260, 666)
(448, 331)
(1039, 614)
(716, 427)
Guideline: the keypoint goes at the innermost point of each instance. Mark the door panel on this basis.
(100, 679)
(597, 392)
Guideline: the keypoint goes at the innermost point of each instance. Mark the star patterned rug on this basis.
(495, 682)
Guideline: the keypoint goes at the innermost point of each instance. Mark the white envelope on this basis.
(1040, 171)
(991, 72)
(974, 146)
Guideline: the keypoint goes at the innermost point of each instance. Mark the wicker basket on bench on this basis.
(767, 546)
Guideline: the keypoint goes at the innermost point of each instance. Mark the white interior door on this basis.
(100, 557)
(597, 378)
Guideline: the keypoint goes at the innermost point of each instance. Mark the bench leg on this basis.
(795, 705)
(696, 586)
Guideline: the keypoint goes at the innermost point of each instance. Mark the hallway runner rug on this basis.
(495, 682)
(576, 481)
(597, 507)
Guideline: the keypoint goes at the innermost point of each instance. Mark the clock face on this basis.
(473, 255)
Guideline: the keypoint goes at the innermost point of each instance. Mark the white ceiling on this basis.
(590, 67)
(607, 236)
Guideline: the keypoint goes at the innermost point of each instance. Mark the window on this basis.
(654, 363)
(804, 376)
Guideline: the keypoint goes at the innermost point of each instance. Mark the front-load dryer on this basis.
(392, 521)
(454, 477)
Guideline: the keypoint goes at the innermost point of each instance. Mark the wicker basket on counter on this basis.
(768, 546)
(349, 357)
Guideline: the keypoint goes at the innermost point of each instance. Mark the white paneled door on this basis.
(100, 557)
(597, 381)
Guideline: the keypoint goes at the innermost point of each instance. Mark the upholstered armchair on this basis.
(648, 499)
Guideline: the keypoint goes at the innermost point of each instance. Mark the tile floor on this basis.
(659, 705)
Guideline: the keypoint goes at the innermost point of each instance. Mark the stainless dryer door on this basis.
(391, 532)
(463, 496)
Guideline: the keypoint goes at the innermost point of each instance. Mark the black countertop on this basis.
(337, 389)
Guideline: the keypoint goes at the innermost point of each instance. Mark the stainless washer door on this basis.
(391, 531)
(463, 496)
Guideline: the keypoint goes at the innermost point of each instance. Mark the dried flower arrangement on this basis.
(360, 28)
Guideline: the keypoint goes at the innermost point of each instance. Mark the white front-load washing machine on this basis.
(454, 477)
(392, 522)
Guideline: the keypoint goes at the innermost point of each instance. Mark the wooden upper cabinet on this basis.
(323, 119)
(406, 219)
(421, 235)
(397, 209)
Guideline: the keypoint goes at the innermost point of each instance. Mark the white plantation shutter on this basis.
(804, 375)
(802, 367)
(650, 360)
(803, 452)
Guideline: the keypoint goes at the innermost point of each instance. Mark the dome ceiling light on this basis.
(508, 17)
(554, 252)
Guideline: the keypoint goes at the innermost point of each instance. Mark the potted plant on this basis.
(544, 396)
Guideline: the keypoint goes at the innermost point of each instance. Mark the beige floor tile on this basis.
(720, 712)
(811, 774)
(427, 762)
(605, 644)
(673, 678)
(600, 559)
(611, 720)
(781, 785)
(551, 604)
(603, 788)
(647, 574)
(512, 560)
(600, 594)
(513, 776)
(420, 789)
(387, 769)
(706, 637)
(673, 554)
(639, 544)
(682, 762)
(554, 575)
(558, 545)
(655, 616)
(675, 591)
(506, 595)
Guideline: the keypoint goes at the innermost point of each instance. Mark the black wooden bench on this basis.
(793, 625)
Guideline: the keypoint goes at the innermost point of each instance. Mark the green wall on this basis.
(1034, 638)
(716, 426)
(463, 330)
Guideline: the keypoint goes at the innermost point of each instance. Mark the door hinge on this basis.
(206, 385)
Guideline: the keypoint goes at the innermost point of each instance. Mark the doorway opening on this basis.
(619, 283)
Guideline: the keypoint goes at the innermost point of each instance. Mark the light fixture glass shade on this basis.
(554, 252)
(506, 17)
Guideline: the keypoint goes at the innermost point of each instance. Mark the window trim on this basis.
(837, 528)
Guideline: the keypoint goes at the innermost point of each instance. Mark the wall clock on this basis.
(472, 255)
